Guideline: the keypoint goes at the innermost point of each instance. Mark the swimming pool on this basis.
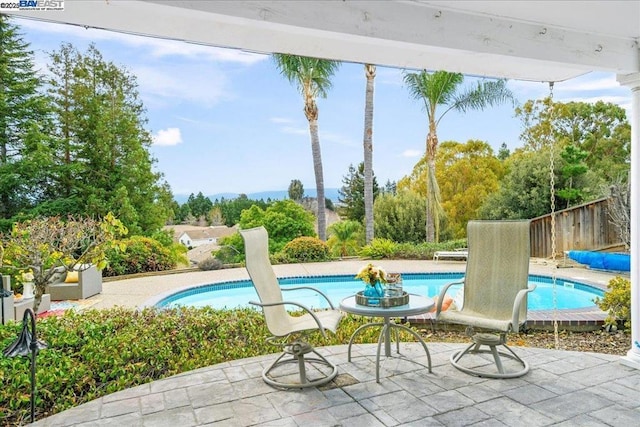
(569, 294)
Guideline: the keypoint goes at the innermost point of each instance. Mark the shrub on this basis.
(400, 217)
(138, 255)
(210, 264)
(384, 248)
(231, 249)
(305, 249)
(426, 250)
(345, 238)
(280, 258)
(85, 358)
(177, 250)
(284, 220)
(617, 301)
(379, 248)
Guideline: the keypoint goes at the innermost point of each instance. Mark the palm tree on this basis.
(370, 73)
(344, 237)
(312, 78)
(442, 88)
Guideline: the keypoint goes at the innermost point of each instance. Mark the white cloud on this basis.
(389, 76)
(336, 138)
(167, 137)
(294, 131)
(178, 82)
(281, 120)
(411, 153)
(588, 83)
(619, 100)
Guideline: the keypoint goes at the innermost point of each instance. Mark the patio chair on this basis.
(288, 331)
(495, 290)
(83, 282)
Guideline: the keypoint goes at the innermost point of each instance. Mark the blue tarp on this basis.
(602, 260)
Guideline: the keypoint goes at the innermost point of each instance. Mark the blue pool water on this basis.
(569, 294)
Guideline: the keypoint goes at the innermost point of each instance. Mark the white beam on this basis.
(391, 33)
(633, 81)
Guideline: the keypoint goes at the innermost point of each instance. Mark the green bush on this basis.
(138, 255)
(426, 250)
(617, 301)
(384, 248)
(305, 249)
(210, 264)
(379, 248)
(98, 352)
(231, 250)
(177, 250)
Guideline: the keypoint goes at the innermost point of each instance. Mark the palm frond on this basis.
(308, 74)
(432, 89)
(485, 93)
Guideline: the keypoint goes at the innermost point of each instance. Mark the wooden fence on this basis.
(583, 227)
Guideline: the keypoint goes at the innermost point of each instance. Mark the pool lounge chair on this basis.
(457, 254)
(287, 330)
(495, 290)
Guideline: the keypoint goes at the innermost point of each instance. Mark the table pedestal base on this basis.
(385, 334)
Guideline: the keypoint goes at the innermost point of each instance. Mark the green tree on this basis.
(312, 76)
(296, 190)
(42, 245)
(199, 205)
(390, 187)
(345, 238)
(400, 217)
(183, 213)
(284, 220)
(24, 125)
(503, 152)
(468, 173)
(105, 165)
(369, 183)
(351, 195)
(571, 170)
(442, 88)
(231, 209)
(524, 190)
(600, 129)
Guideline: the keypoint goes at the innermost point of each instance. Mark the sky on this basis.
(226, 121)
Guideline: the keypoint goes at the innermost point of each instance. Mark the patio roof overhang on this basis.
(529, 40)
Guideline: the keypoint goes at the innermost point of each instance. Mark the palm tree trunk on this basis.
(317, 168)
(370, 72)
(433, 191)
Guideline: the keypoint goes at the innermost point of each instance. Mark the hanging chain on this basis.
(552, 191)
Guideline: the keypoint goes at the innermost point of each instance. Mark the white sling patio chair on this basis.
(495, 290)
(287, 330)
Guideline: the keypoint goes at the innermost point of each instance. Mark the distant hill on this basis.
(329, 193)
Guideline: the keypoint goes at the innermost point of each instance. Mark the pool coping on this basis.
(581, 319)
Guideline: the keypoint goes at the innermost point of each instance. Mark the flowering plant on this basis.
(27, 276)
(371, 274)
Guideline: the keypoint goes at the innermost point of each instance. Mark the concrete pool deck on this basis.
(563, 388)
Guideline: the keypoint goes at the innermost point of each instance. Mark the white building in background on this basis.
(205, 235)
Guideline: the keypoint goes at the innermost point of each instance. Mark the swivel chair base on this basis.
(492, 341)
(297, 351)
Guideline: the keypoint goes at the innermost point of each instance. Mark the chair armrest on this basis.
(313, 289)
(515, 317)
(302, 306)
(443, 292)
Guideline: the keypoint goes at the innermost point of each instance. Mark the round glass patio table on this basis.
(417, 305)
